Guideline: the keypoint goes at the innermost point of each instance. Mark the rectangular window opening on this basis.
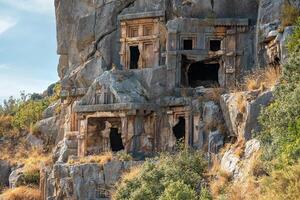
(188, 44)
(215, 45)
(134, 57)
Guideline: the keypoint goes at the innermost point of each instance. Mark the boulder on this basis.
(16, 178)
(63, 150)
(48, 129)
(229, 163)
(244, 123)
(51, 110)
(5, 170)
(251, 147)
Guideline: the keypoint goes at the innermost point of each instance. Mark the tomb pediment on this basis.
(115, 87)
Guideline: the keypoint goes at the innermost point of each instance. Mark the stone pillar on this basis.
(82, 138)
(124, 132)
(188, 128)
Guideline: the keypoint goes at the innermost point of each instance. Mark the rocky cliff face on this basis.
(88, 32)
(89, 37)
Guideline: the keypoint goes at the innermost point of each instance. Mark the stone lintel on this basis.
(175, 26)
(74, 92)
(142, 15)
(113, 107)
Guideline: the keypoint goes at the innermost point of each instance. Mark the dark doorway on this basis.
(187, 44)
(201, 74)
(116, 143)
(215, 45)
(179, 129)
(134, 57)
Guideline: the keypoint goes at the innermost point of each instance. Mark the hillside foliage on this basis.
(22, 113)
(169, 177)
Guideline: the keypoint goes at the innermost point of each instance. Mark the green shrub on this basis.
(289, 14)
(157, 177)
(123, 156)
(32, 177)
(178, 191)
(282, 184)
(29, 113)
(294, 39)
(280, 133)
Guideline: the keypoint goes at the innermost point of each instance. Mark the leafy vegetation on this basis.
(171, 176)
(293, 41)
(280, 121)
(23, 113)
(289, 14)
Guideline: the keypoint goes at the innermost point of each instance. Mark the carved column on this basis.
(82, 138)
(188, 128)
(124, 131)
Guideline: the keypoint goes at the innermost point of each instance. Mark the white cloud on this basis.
(38, 6)
(4, 66)
(6, 23)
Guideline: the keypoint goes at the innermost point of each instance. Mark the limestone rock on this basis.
(215, 141)
(252, 146)
(5, 170)
(51, 110)
(63, 150)
(83, 181)
(243, 124)
(34, 141)
(16, 178)
(229, 163)
(49, 129)
(112, 172)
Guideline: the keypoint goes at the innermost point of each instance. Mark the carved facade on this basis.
(155, 99)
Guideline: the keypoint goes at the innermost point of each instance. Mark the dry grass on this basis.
(246, 190)
(21, 193)
(219, 184)
(132, 174)
(6, 128)
(215, 93)
(219, 179)
(100, 159)
(241, 103)
(239, 147)
(262, 79)
(289, 14)
(35, 161)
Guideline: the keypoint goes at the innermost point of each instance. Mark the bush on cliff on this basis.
(280, 121)
(169, 177)
(280, 135)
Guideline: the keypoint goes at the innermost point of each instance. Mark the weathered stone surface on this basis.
(215, 141)
(244, 123)
(83, 181)
(251, 147)
(16, 177)
(112, 172)
(239, 166)
(229, 163)
(34, 141)
(52, 110)
(5, 170)
(63, 150)
(49, 129)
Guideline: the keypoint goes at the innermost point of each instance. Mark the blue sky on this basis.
(28, 59)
